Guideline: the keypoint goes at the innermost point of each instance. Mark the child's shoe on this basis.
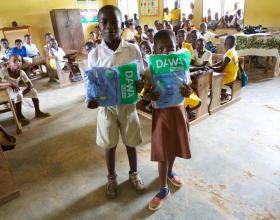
(112, 187)
(42, 115)
(137, 182)
(159, 199)
(175, 179)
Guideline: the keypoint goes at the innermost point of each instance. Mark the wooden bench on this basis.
(202, 84)
(8, 188)
(5, 99)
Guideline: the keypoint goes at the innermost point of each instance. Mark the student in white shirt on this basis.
(56, 52)
(200, 57)
(31, 48)
(48, 37)
(129, 33)
(114, 51)
(208, 35)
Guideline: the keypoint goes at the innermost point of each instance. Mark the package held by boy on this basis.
(169, 73)
(112, 86)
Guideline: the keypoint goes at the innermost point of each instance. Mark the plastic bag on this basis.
(112, 86)
(168, 75)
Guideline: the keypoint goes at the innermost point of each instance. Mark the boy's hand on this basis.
(154, 95)
(92, 104)
(139, 85)
(14, 87)
(185, 90)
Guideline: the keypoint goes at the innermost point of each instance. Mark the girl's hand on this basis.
(14, 87)
(154, 95)
(139, 85)
(185, 90)
(92, 104)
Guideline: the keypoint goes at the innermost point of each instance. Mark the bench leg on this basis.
(18, 124)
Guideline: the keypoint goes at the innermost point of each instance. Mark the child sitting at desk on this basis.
(19, 49)
(229, 65)
(15, 74)
(31, 48)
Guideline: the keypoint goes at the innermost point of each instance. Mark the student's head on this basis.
(161, 26)
(18, 44)
(217, 16)
(135, 16)
(126, 17)
(188, 24)
(176, 4)
(146, 27)
(236, 6)
(28, 38)
(139, 30)
(88, 46)
(5, 43)
(164, 42)
(200, 44)
(53, 43)
(145, 48)
(48, 36)
(150, 34)
(209, 12)
(157, 24)
(109, 18)
(229, 42)
(131, 26)
(190, 16)
(203, 27)
(239, 12)
(15, 62)
(192, 6)
(181, 36)
(194, 35)
(168, 26)
(166, 10)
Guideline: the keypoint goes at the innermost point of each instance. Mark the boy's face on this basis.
(146, 27)
(203, 28)
(53, 44)
(139, 30)
(28, 39)
(200, 44)
(188, 24)
(145, 49)
(49, 37)
(181, 37)
(15, 63)
(19, 45)
(165, 45)
(110, 25)
(5, 44)
(150, 36)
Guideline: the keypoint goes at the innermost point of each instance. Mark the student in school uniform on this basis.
(114, 51)
(208, 35)
(170, 128)
(166, 15)
(8, 51)
(19, 49)
(175, 14)
(150, 34)
(129, 33)
(201, 57)
(188, 26)
(48, 37)
(229, 64)
(56, 52)
(140, 36)
(31, 48)
(14, 74)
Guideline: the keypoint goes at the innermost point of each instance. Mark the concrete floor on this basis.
(234, 172)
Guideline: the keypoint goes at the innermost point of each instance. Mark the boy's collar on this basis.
(122, 44)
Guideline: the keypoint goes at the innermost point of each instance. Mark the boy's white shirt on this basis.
(4, 75)
(103, 56)
(208, 36)
(32, 49)
(207, 56)
(59, 54)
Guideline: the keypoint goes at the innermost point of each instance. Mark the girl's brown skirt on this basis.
(170, 134)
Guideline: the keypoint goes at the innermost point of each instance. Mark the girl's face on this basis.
(165, 45)
(145, 49)
(181, 37)
(15, 63)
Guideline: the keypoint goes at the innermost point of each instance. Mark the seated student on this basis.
(140, 36)
(129, 33)
(181, 38)
(201, 57)
(95, 36)
(146, 51)
(146, 27)
(89, 46)
(31, 48)
(237, 21)
(187, 25)
(166, 15)
(56, 52)
(150, 34)
(8, 51)
(188, 43)
(157, 26)
(168, 26)
(19, 49)
(7, 141)
(229, 65)
(14, 74)
(48, 36)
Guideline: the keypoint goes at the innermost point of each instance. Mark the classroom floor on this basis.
(234, 172)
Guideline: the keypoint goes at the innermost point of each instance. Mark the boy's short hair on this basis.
(18, 41)
(47, 34)
(4, 39)
(164, 34)
(203, 23)
(27, 35)
(231, 40)
(182, 31)
(145, 42)
(151, 30)
(202, 40)
(110, 7)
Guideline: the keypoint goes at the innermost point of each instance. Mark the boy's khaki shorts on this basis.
(114, 119)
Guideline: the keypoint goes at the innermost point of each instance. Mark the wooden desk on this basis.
(216, 87)
(8, 188)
